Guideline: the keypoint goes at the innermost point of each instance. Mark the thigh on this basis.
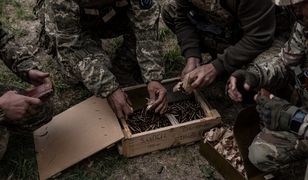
(272, 149)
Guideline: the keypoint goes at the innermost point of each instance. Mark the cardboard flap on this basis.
(74, 135)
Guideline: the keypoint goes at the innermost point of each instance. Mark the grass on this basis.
(19, 14)
(208, 172)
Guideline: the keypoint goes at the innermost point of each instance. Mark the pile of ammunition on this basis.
(145, 120)
(186, 110)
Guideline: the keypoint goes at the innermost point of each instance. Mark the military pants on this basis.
(270, 150)
(36, 117)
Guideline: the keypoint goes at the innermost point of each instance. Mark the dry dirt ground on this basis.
(183, 162)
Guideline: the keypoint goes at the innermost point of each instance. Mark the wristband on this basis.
(296, 121)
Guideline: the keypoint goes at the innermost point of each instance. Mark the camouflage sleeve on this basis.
(80, 56)
(148, 48)
(275, 73)
(20, 59)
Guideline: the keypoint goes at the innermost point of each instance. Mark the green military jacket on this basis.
(256, 20)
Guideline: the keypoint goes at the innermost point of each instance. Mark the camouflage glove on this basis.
(276, 113)
(244, 76)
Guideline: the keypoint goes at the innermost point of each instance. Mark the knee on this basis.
(262, 156)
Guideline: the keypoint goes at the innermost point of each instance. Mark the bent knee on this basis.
(263, 156)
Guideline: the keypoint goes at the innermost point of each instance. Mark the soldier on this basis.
(284, 138)
(233, 32)
(73, 33)
(19, 112)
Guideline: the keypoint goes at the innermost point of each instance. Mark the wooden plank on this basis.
(202, 103)
(75, 134)
(167, 137)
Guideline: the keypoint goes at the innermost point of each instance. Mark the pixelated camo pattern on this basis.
(271, 149)
(80, 53)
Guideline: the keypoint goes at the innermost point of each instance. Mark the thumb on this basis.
(31, 100)
(42, 74)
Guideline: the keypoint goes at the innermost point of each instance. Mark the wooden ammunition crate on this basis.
(165, 137)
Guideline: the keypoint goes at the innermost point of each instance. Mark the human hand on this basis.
(38, 78)
(201, 76)
(239, 82)
(15, 106)
(119, 103)
(158, 97)
(191, 64)
(274, 112)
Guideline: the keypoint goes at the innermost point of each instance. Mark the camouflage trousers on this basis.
(36, 117)
(271, 150)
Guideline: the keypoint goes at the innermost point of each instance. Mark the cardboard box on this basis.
(91, 126)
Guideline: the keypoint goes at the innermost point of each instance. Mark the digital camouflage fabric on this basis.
(20, 59)
(73, 33)
(271, 149)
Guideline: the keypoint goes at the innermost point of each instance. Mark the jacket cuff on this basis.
(218, 66)
(112, 88)
(23, 69)
(157, 76)
(192, 52)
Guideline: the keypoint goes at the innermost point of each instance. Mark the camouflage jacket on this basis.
(18, 58)
(256, 20)
(80, 54)
(276, 73)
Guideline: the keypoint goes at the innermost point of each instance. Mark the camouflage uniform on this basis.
(73, 33)
(20, 59)
(273, 148)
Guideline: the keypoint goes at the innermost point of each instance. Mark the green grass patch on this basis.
(174, 62)
(163, 33)
(208, 172)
